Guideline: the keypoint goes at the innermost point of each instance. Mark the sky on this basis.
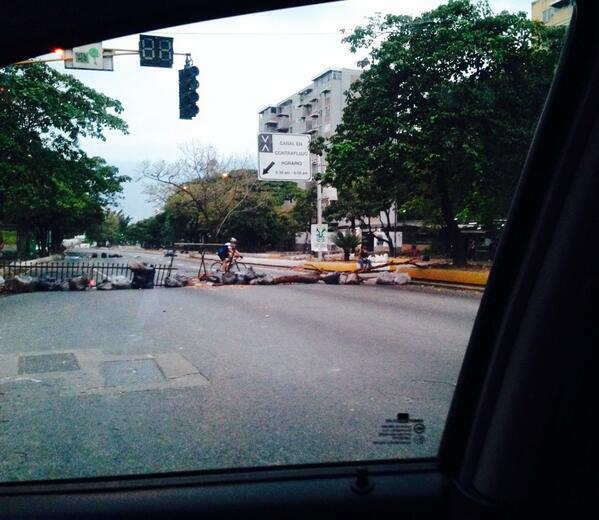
(246, 63)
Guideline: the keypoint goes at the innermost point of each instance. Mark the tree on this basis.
(304, 211)
(111, 230)
(47, 183)
(152, 232)
(348, 242)
(202, 187)
(445, 110)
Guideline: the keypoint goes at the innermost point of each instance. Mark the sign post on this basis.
(284, 157)
(319, 238)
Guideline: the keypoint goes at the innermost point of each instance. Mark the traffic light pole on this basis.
(106, 53)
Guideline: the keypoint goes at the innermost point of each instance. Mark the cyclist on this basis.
(232, 253)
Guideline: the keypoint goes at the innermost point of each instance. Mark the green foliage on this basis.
(443, 116)
(47, 183)
(348, 242)
(209, 197)
(304, 209)
(111, 230)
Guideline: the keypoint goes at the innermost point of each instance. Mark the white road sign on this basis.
(88, 57)
(284, 157)
(319, 237)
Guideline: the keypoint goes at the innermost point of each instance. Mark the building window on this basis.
(548, 13)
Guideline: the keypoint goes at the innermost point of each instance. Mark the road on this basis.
(184, 264)
(164, 380)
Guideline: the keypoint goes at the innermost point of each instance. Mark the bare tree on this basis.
(205, 186)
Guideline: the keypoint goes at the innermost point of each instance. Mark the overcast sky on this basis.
(245, 62)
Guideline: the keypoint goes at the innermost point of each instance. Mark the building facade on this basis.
(552, 12)
(316, 109)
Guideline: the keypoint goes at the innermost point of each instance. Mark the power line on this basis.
(164, 33)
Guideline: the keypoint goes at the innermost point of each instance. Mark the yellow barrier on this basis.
(343, 267)
(446, 275)
(433, 275)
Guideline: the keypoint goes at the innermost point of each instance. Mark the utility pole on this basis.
(319, 209)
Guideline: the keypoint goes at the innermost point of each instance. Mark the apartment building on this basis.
(552, 12)
(316, 109)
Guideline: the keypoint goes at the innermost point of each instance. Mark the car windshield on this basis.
(260, 240)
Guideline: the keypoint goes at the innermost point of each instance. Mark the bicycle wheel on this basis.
(238, 267)
(216, 267)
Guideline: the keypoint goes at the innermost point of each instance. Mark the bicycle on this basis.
(235, 267)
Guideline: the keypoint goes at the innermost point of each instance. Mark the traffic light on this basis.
(188, 97)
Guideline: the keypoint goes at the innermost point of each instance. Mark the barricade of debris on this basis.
(143, 278)
(251, 277)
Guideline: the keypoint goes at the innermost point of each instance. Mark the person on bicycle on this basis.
(232, 253)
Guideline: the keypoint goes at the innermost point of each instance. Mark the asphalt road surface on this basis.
(131, 382)
(182, 262)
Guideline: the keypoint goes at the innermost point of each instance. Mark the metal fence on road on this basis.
(61, 270)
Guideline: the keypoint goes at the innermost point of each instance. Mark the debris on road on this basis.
(179, 280)
(143, 275)
(393, 279)
(79, 283)
(297, 278)
(22, 283)
(331, 279)
(49, 283)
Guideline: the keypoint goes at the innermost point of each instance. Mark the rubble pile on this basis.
(144, 275)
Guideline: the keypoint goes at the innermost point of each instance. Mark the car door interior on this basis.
(519, 438)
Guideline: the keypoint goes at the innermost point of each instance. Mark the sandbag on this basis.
(182, 279)
(22, 283)
(172, 282)
(266, 280)
(48, 283)
(229, 278)
(250, 274)
(120, 282)
(105, 285)
(79, 283)
(403, 279)
(385, 278)
(352, 279)
(215, 277)
(331, 279)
